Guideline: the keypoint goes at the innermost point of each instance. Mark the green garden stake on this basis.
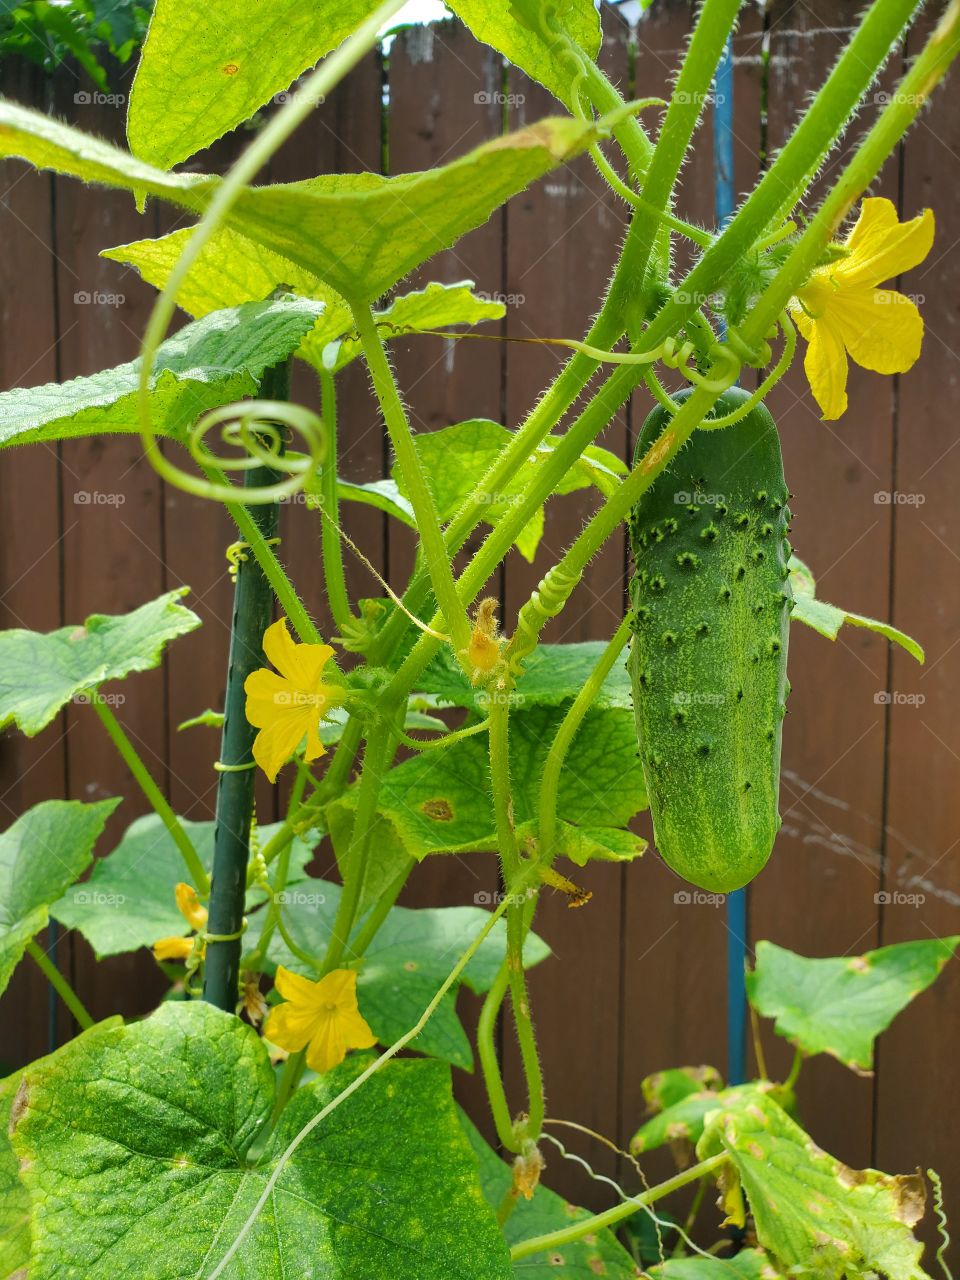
(252, 608)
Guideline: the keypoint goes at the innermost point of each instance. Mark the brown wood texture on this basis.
(868, 852)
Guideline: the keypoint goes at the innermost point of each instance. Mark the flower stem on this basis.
(252, 609)
(589, 1226)
(151, 790)
(414, 478)
(60, 985)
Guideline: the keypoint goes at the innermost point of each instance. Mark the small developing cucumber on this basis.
(711, 601)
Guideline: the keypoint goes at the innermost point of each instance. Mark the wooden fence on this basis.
(870, 799)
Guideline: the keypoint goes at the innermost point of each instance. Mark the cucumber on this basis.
(708, 662)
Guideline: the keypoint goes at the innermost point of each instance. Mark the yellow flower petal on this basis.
(290, 1026)
(328, 1048)
(881, 329)
(275, 743)
(301, 664)
(295, 987)
(190, 906)
(825, 365)
(881, 246)
(172, 948)
(268, 696)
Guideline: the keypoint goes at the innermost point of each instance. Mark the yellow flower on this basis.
(841, 311)
(195, 914)
(289, 706)
(322, 1017)
(483, 651)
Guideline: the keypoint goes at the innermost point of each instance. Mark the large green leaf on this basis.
(597, 1254)
(810, 1211)
(827, 619)
(405, 964)
(40, 855)
(15, 1208)
(517, 28)
(41, 672)
(232, 269)
(200, 75)
(358, 232)
(135, 1143)
(128, 900)
(439, 802)
(841, 1004)
(680, 1125)
(552, 674)
(748, 1264)
(454, 457)
(213, 361)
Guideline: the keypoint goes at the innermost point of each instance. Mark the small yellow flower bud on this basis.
(190, 906)
(483, 651)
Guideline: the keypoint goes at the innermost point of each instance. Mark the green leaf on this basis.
(135, 1141)
(552, 674)
(594, 1255)
(405, 964)
(213, 361)
(454, 457)
(840, 1005)
(199, 79)
(208, 719)
(40, 855)
(358, 232)
(517, 30)
(15, 1207)
(382, 494)
(748, 1264)
(128, 900)
(827, 619)
(664, 1088)
(41, 672)
(810, 1211)
(439, 802)
(680, 1125)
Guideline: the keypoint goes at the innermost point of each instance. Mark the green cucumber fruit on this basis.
(711, 601)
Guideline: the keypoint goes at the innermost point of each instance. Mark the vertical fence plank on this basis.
(827, 854)
(916, 1070)
(562, 237)
(31, 770)
(444, 100)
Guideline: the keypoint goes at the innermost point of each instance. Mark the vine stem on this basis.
(411, 469)
(375, 1066)
(151, 790)
(589, 1226)
(512, 864)
(60, 985)
(252, 610)
(553, 765)
(489, 1066)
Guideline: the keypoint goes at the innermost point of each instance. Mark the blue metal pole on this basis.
(724, 203)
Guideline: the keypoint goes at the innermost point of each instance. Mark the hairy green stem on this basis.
(590, 1226)
(60, 985)
(489, 1064)
(411, 469)
(148, 786)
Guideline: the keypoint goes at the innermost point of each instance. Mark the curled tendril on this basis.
(552, 593)
(257, 429)
(941, 1222)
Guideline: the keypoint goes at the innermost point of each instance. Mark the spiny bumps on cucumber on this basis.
(711, 601)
